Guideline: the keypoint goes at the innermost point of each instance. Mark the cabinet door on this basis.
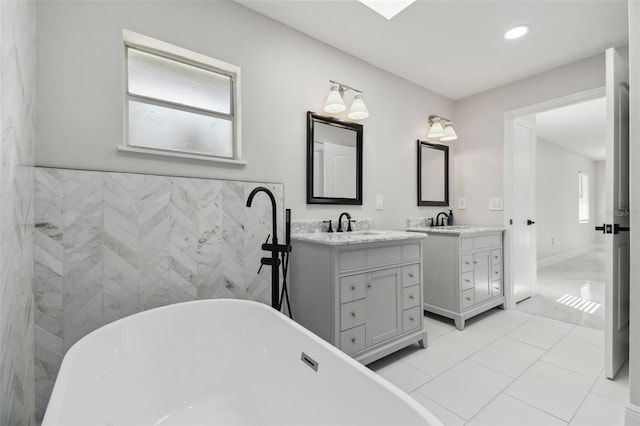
(383, 298)
(481, 272)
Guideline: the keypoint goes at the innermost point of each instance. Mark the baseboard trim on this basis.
(567, 255)
(632, 415)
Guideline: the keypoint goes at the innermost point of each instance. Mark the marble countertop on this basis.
(456, 229)
(356, 237)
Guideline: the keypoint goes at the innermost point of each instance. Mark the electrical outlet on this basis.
(379, 203)
(462, 203)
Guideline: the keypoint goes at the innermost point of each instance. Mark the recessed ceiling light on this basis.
(516, 32)
(387, 8)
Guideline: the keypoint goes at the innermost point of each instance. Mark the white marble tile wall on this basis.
(17, 127)
(112, 244)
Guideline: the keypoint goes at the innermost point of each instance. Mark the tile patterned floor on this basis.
(510, 368)
(567, 277)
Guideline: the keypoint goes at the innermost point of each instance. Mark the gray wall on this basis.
(17, 126)
(284, 75)
(557, 227)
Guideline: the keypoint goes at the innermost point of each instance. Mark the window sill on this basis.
(181, 155)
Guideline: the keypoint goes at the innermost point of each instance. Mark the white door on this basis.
(617, 214)
(523, 247)
(339, 167)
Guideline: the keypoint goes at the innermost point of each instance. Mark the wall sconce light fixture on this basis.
(441, 129)
(335, 102)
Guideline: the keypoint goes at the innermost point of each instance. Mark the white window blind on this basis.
(180, 102)
(583, 198)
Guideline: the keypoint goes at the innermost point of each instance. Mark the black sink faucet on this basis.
(441, 222)
(340, 222)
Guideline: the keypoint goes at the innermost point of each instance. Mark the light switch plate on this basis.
(495, 203)
(379, 203)
(462, 203)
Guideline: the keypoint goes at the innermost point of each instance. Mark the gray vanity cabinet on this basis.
(362, 298)
(463, 274)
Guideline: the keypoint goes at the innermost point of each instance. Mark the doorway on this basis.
(568, 162)
(615, 227)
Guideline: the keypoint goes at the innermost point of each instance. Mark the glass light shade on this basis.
(358, 109)
(449, 133)
(334, 103)
(436, 131)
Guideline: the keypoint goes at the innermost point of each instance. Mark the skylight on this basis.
(387, 8)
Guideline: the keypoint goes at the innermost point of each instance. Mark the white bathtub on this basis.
(219, 362)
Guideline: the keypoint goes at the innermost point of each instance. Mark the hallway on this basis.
(558, 291)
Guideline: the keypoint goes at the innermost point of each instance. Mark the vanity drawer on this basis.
(468, 298)
(352, 341)
(496, 272)
(411, 319)
(467, 280)
(496, 256)
(352, 288)
(467, 263)
(410, 296)
(410, 275)
(411, 251)
(496, 288)
(352, 314)
(466, 243)
(480, 242)
(362, 258)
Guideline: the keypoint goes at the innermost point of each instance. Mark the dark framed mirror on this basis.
(334, 161)
(433, 174)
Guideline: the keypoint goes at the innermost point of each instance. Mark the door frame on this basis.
(509, 120)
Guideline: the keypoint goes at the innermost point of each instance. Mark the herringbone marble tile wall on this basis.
(17, 127)
(112, 244)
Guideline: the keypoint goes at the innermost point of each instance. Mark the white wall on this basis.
(479, 121)
(557, 227)
(284, 74)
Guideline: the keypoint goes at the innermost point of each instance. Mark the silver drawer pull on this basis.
(496, 272)
(354, 340)
(411, 319)
(466, 263)
(468, 281)
(353, 287)
(468, 298)
(475, 262)
(411, 274)
(411, 296)
(370, 285)
(496, 257)
(496, 288)
(353, 314)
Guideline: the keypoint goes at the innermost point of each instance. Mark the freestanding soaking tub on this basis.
(219, 362)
